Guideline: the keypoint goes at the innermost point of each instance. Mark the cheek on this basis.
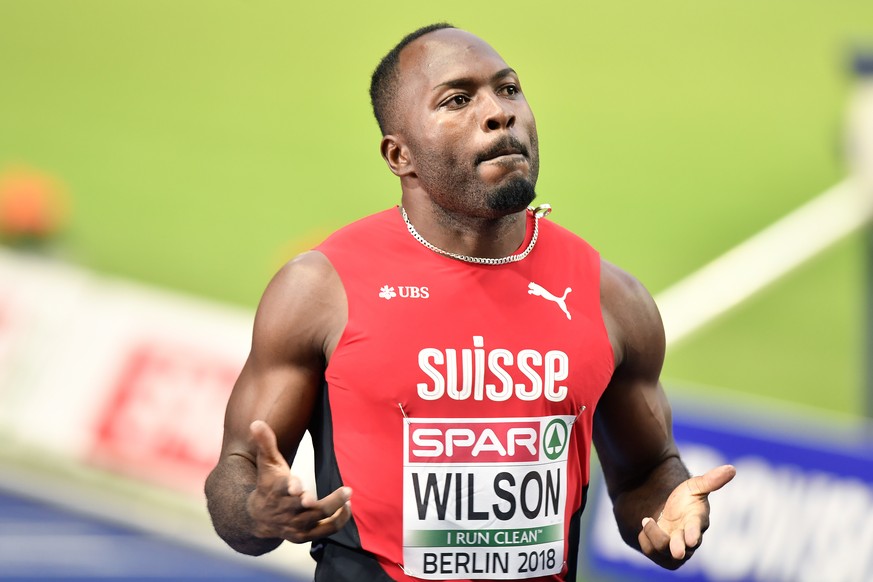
(447, 150)
(442, 143)
(534, 141)
(531, 124)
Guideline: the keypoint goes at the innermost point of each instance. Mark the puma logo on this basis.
(535, 289)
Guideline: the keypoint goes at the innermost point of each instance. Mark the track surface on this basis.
(43, 542)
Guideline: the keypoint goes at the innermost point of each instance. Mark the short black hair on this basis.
(383, 83)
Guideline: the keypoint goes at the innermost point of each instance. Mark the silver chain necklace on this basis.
(538, 212)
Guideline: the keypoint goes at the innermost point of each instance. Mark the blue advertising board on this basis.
(800, 507)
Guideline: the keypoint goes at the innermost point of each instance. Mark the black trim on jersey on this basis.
(573, 538)
(339, 557)
(338, 563)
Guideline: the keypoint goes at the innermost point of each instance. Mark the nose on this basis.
(497, 114)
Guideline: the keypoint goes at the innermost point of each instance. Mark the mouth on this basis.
(506, 157)
(508, 150)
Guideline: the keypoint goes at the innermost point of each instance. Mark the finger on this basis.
(693, 534)
(268, 449)
(677, 544)
(335, 522)
(322, 528)
(657, 537)
(712, 480)
(645, 543)
(329, 504)
(295, 486)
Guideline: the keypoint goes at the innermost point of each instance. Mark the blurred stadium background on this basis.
(175, 154)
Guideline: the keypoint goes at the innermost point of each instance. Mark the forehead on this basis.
(444, 55)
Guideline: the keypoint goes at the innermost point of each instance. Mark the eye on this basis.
(510, 90)
(456, 101)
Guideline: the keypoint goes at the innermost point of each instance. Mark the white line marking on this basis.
(762, 259)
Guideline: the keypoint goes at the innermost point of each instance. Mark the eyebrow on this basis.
(467, 81)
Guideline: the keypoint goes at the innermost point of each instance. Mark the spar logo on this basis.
(479, 442)
(487, 442)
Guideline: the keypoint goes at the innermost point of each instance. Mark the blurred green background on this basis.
(205, 143)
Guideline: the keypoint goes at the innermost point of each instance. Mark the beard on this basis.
(453, 186)
(514, 196)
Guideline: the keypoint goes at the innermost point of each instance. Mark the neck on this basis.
(463, 234)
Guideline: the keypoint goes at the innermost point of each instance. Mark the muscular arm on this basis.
(633, 433)
(252, 497)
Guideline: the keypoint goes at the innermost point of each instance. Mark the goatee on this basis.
(514, 196)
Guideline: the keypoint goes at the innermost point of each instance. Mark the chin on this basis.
(514, 196)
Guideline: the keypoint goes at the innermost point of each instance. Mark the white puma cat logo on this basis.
(535, 289)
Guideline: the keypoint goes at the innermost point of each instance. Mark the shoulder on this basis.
(565, 235)
(562, 244)
(303, 277)
(363, 228)
(304, 301)
(630, 313)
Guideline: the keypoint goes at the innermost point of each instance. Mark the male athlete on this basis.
(454, 359)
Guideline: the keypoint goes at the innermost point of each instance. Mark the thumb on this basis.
(268, 450)
(712, 480)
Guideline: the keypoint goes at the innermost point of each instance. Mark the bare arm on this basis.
(254, 500)
(634, 438)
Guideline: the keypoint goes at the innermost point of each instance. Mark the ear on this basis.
(396, 155)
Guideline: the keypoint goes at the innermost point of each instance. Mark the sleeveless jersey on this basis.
(458, 406)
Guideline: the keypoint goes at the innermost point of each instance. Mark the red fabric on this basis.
(406, 303)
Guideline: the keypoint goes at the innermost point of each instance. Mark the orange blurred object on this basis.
(33, 205)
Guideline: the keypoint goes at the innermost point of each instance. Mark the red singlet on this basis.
(458, 406)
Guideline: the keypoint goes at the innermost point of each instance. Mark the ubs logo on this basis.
(388, 292)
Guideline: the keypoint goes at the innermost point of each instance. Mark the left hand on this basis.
(670, 540)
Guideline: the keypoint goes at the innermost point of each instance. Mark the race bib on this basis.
(484, 498)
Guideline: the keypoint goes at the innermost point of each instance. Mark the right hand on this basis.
(280, 507)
